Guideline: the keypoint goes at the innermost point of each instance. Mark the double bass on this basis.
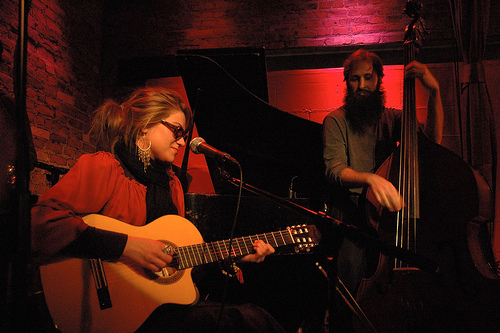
(447, 206)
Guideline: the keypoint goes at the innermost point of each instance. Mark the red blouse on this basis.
(95, 184)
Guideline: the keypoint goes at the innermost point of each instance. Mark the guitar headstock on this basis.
(305, 237)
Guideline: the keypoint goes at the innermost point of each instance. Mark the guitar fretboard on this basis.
(205, 253)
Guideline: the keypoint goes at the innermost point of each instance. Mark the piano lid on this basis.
(273, 147)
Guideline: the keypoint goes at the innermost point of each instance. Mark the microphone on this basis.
(199, 146)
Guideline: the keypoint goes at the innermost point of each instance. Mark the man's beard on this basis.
(364, 109)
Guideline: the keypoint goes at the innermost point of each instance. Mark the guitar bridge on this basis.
(101, 284)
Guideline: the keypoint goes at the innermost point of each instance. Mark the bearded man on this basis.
(357, 138)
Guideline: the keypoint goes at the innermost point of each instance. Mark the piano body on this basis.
(279, 153)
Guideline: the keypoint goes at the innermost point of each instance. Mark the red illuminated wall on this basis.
(313, 93)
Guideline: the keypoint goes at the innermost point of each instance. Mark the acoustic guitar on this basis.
(85, 295)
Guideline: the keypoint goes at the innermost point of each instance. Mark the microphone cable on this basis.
(229, 261)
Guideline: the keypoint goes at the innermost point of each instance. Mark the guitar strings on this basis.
(193, 255)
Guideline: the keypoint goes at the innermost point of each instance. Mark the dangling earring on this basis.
(144, 155)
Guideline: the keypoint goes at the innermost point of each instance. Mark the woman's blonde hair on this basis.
(145, 107)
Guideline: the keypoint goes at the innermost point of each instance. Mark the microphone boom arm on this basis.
(351, 231)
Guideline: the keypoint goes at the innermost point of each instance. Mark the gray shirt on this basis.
(363, 152)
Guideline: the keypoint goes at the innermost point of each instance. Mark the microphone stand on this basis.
(351, 232)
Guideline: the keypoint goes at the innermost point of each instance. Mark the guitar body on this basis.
(71, 295)
(71, 290)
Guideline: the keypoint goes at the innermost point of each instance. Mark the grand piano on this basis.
(280, 155)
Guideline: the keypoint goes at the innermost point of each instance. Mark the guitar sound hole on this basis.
(167, 275)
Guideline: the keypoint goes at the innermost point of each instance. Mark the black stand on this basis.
(22, 304)
(346, 297)
(15, 265)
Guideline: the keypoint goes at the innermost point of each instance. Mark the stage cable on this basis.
(228, 264)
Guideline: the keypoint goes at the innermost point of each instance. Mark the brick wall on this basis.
(275, 24)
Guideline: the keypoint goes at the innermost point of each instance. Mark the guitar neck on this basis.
(205, 253)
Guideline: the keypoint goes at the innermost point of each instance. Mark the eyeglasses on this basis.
(177, 130)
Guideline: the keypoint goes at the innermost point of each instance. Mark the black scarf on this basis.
(158, 197)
